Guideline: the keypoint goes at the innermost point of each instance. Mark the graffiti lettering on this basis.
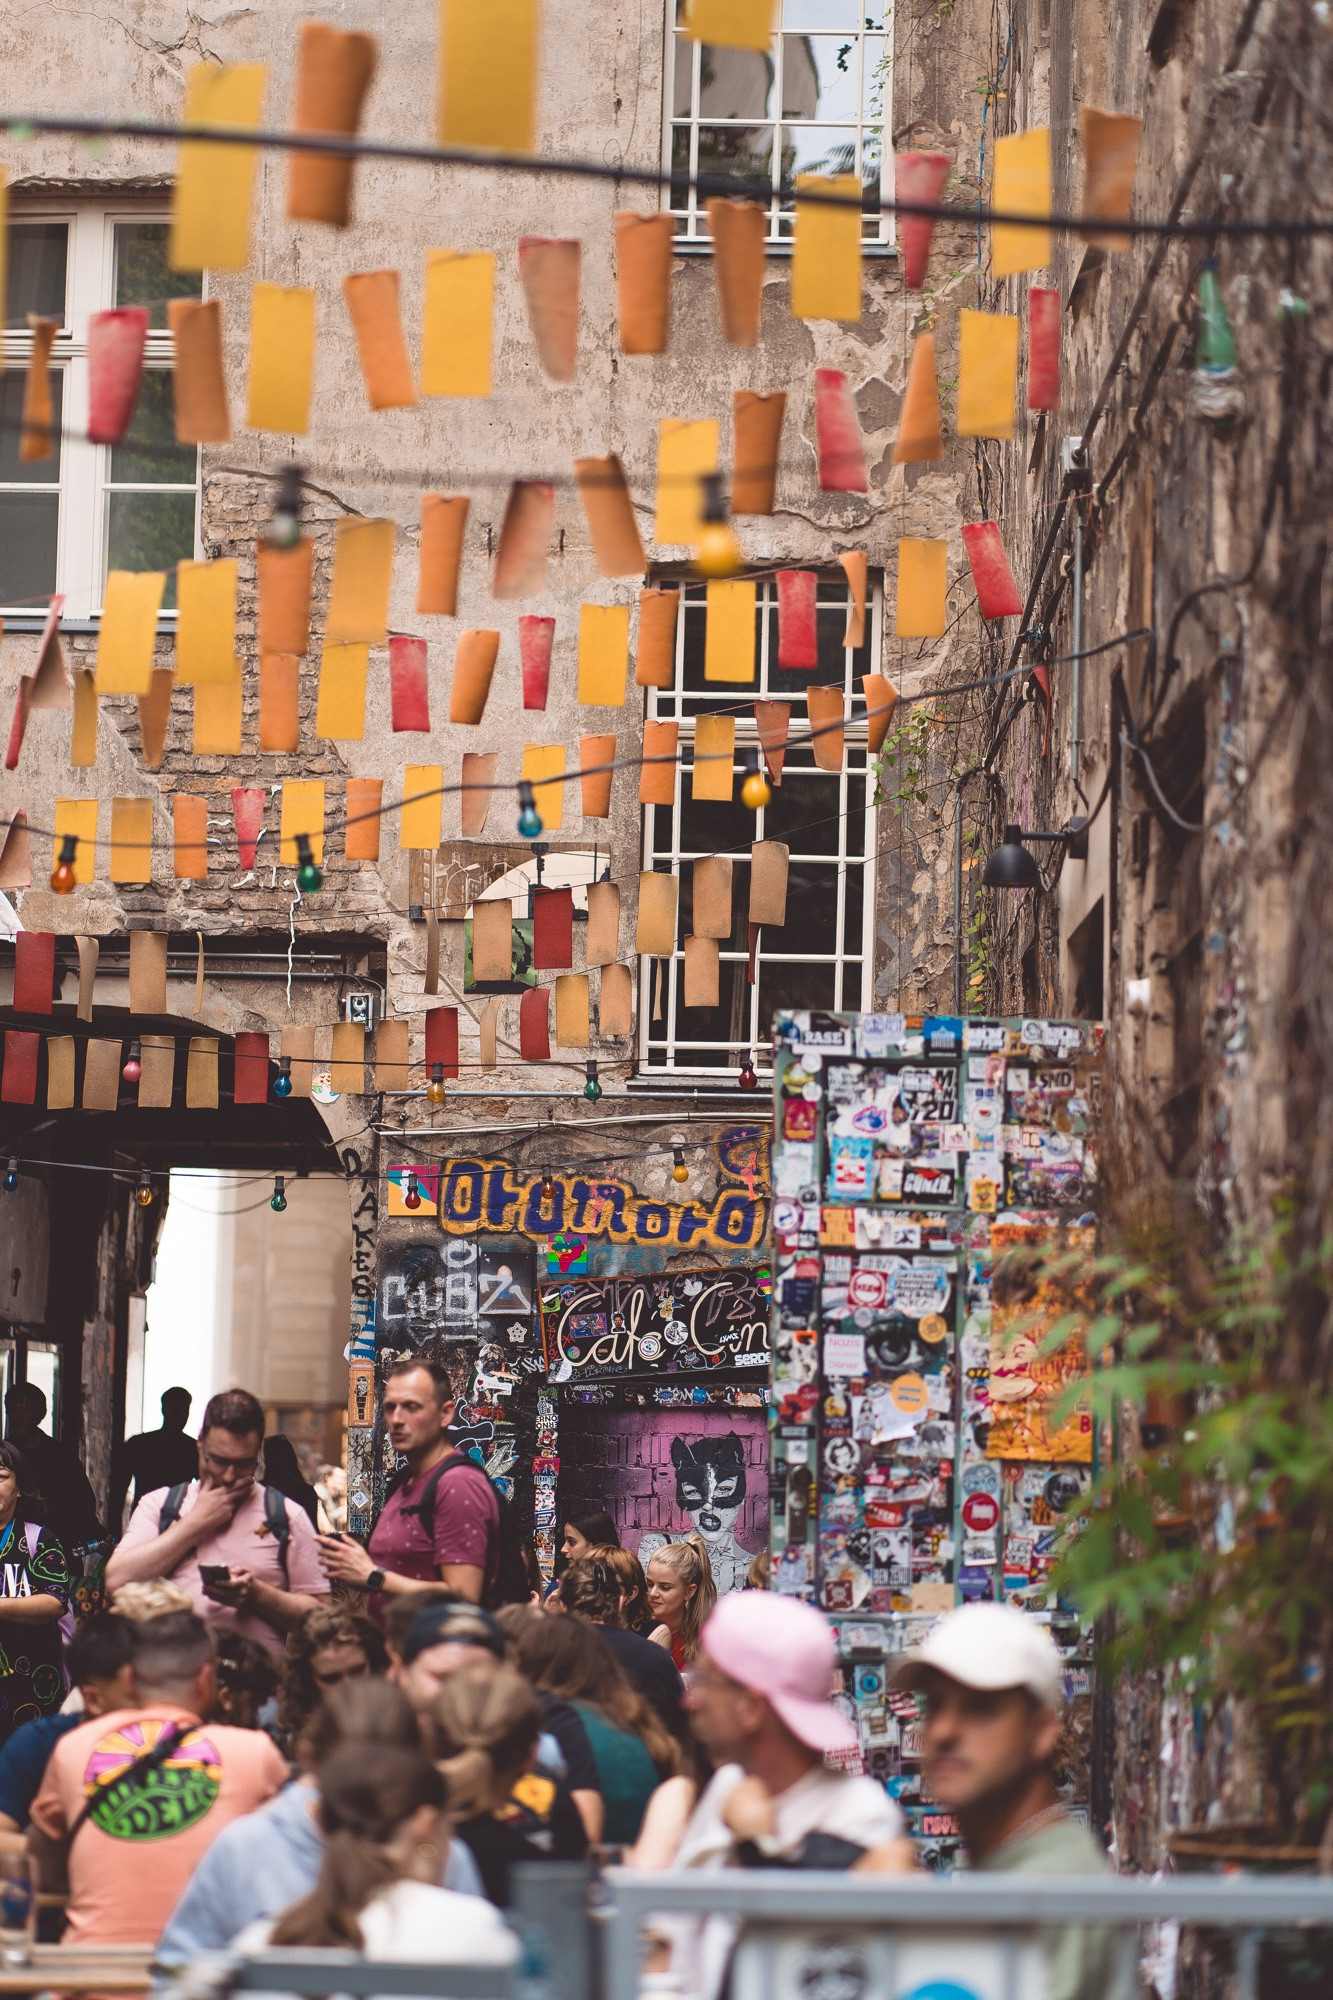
(490, 1194)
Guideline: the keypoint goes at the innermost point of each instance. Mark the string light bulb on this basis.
(679, 1171)
(412, 1193)
(309, 874)
(435, 1088)
(756, 792)
(279, 1200)
(282, 1082)
(529, 819)
(132, 1069)
(284, 528)
(749, 1077)
(592, 1089)
(11, 1176)
(62, 875)
(143, 1194)
(548, 1186)
(717, 552)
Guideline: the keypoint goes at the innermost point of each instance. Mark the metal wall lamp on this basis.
(1012, 867)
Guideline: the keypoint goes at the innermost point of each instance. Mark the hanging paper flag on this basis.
(548, 270)
(488, 1029)
(615, 1002)
(826, 255)
(282, 358)
(768, 882)
(36, 439)
(881, 698)
(730, 24)
(60, 1094)
(488, 74)
(702, 982)
(729, 631)
(393, 1041)
(386, 365)
(534, 1024)
(285, 578)
(685, 452)
(201, 1074)
(657, 772)
(20, 1078)
(997, 593)
(603, 655)
(148, 972)
(544, 768)
(739, 230)
(115, 364)
(302, 813)
(609, 512)
(421, 821)
(131, 840)
(772, 720)
(34, 971)
(457, 323)
(552, 929)
(333, 73)
(987, 373)
(340, 707)
(218, 718)
(492, 940)
(572, 1011)
(919, 436)
(1043, 347)
(157, 1072)
(523, 551)
(798, 645)
(535, 639)
(154, 715)
(474, 664)
(443, 518)
(842, 460)
(16, 854)
(757, 438)
(361, 819)
(1021, 186)
(596, 755)
(206, 622)
(710, 897)
(47, 686)
(919, 178)
(77, 817)
(362, 577)
(442, 1039)
(128, 633)
(101, 1076)
(478, 783)
(279, 703)
(713, 775)
(88, 950)
(1110, 162)
(853, 564)
(602, 945)
(409, 690)
(247, 806)
(211, 197)
(655, 931)
(825, 708)
(643, 280)
(198, 382)
(250, 1069)
(347, 1064)
(189, 827)
(655, 662)
(923, 587)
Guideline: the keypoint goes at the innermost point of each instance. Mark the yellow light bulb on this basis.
(756, 791)
(718, 552)
(435, 1091)
(680, 1172)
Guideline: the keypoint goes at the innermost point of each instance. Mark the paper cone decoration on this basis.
(115, 364)
(571, 1011)
(602, 946)
(731, 24)
(797, 643)
(685, 452)
(279, 703)
(923, 586)
(757, 427)
(333, 73)
(548, 270)
(536, 636)
(615, 1002)
(285, 578)
(772, 719)
(16, 855)
(386, 365)
(595, 782)
(60, 1095)
(853, 565)
(362, 825)
(534, 1024)
(128, 633)
(1043, 348)
(19, 1085)
(842, 459)
(409, 689)
(655, 663)
(198, 382)
(35, 970)
(218, 719)
(282, 358)
(768, 882)
(657, 773)
(302, 812)
(919, 436)
(201, 1074)
(457, 327)
(79, 818)
(997, 593)
(488, 74)
(211, 200)
(739, 230)
(206, 622)
(1110, 161)
(340, 704)
(552, 929)
(362, 577)
(729, 631)
(189, 827)
(47, 686)
(154, 715)
(826, 255)
(711, 897)
(492, 941)
(918, 177)
(544, 767)
(148, 972)
(713, 775)
(250, 1069)
(610, 516)
(421, 818)
(881, 700)
(603, 655)
(655, 933)
(824, 705)
(442, 1040)
(475, 797)
(443, 519)
(1022, 186)
(987, 373)
(474, 664)
(393, 1041)
(701, 981)
(643, 281)
(247, 806)
(525, 540)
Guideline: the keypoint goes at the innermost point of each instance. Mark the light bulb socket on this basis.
(284, 528)
(714, 505)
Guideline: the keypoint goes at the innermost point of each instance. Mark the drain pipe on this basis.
(1077, 470)
(960, 786)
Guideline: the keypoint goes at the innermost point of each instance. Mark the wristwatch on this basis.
(375, 1581)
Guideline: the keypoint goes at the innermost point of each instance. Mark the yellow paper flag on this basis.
(218, 715)
(987, 373)
(457, 323)
(826, 257)
(131, 840)
(1021, 186)
(729, 632)
(488, 73)
(685, 451)
(730, 24)
(129, 630)
(79, 817)
(282, 358)
(206, 628)
(340, 710)
(362, 576)
(923, 589)
(302, 812)
(714, 755)
(210, 207)
(421, 821)
(543, 767)
(603, 655)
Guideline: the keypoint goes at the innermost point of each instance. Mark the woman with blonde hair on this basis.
(681, 1593)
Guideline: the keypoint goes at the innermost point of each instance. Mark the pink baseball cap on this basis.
(784, 1650)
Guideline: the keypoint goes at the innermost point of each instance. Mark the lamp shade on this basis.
(1011, 866)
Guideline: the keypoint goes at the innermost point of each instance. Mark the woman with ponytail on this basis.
(681, 1593)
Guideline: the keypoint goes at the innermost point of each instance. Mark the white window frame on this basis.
(664, 1054)
(692, 223)
(85, 469)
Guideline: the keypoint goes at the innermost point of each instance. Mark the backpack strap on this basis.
(278, 1523)
(424, 1508)
(170, 1511)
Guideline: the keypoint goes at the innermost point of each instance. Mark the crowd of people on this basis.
(275, 1736)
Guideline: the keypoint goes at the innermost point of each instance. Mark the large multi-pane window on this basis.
(821, 957)
(65, 520)
(819, 102)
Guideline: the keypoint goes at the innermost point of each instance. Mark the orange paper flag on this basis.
(285, 579)
(361, 828)
(198, 381)
(457, 323)
(386, 365)
(729, 634)
(189, 837)
(421, 821)
(1022, 186)
(544, 767)
(474, 800)
(595, 784)
(610, 516)
(282, 358)
(206, 622)
(655, 664)
(923, 584)
(548, 270)
(615, 1002)
(826, 255)
(214, 185)
(713, 775)
(36, 439)
(1110, 162)
(443, 519)
(772, 720)
(333, 73)
(655, 931)
(987, 373)
(824, 705)
(731, 24)
(881, 700)
(218, 718)
(131, 840)
(362, 577)
(643, 280)
(154, 716)
(603, 654)
(525, 539)
(919, 436)
(758, 436)
(702, 982)
(474, 664)
(279, 703)
(739, 230)
(657, 773)
(340, 707)
(853, 564)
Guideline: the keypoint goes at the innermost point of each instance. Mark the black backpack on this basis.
(275, 1519)
(511, 1584)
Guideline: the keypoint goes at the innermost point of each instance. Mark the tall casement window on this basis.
(67, 519)
(821, 957)
(819, 102)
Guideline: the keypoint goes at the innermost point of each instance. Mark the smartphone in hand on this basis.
(215, 1573)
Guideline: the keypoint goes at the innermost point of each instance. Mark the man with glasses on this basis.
(247, 1556)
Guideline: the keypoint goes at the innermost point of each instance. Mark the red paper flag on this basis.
(20, 1080)
(535, 638)
(442, 1039)
(842, 458)
(34, 973)
(553, 930)
(997, 593)
(1043, 348)
(247, 805)
(918, 177)
(250, 1081)
(534, 1024)
(409, 690)
(115, 363)
(797, 645)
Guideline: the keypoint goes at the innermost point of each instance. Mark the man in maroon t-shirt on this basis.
(463, 1548)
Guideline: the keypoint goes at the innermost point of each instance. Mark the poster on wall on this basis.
(674, 1321)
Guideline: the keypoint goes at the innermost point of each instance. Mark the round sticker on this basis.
(868, 1288)
(932, 1327)
(676, 1332)
(812, 1092)
(649, 1347)
(981, 1513)
(910, 1394)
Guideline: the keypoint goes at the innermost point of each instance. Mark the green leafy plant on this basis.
(901, 767)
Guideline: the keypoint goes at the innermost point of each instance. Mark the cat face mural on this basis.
(710, 1491)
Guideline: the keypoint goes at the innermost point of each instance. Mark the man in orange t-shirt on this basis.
(132, 1799)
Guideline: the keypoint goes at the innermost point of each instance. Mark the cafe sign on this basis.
(676, 1322)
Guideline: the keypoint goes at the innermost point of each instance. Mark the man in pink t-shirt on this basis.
(247, 1555)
